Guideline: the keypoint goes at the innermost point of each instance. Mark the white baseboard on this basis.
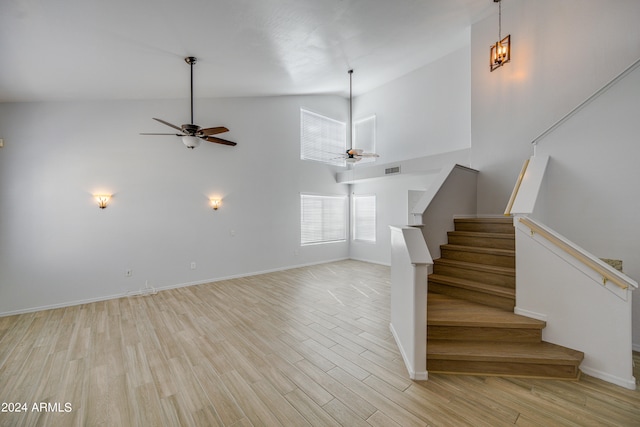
(417, 376)
(531, 314)
(137, 293)
(371, 261)
(629, 383)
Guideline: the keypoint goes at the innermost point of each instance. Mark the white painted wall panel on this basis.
(57, 247)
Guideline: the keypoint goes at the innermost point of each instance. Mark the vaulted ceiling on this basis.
(134, 49)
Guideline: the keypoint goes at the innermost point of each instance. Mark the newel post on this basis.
(410, 265)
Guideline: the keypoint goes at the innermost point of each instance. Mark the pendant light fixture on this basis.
(500, 52)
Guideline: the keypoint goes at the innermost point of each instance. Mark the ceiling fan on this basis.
(353, 155)
(191, 134)
(356, 154)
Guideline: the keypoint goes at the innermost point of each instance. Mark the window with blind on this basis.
(364, 137)
(323, 219)
(364, 218)
(322, 139)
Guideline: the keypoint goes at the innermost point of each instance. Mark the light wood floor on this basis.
(309, 346)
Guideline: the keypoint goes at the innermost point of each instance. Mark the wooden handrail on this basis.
(516, 188)
(586, 260)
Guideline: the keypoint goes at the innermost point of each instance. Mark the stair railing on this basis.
(410, 265)
(585, 302)
(608, 274)
(516, 188)
(413, 248)
(596, 94)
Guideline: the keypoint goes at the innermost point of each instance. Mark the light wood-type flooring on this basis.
(308, 346)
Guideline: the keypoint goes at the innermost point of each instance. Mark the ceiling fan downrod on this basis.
(191, 60)
(350, 108)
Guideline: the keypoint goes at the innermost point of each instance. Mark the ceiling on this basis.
(134, 49)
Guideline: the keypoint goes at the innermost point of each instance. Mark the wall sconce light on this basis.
(500, 52)
(215, 203)
(103, 200)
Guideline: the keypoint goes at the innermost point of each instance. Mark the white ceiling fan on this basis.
(353, 155)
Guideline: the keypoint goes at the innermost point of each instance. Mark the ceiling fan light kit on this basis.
(190, 133)
(191, 141)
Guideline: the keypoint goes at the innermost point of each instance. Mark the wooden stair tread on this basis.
(485, 219)
(484, 234)
(507, 271)
(471, 327)
(496, 290)
(479, 249)
(443, 310)
(540, 353)
(497, 225)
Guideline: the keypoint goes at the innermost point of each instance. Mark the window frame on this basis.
(370, 146)
(326, 233)
(355, 221)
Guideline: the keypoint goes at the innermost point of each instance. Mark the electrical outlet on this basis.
(193, 265)
(128, 272)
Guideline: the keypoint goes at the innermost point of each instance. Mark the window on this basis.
(364, 137)
(323, 219)
(322, 139)
(364, 218)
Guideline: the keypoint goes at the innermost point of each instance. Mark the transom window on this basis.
(364, 137)
(322, 139)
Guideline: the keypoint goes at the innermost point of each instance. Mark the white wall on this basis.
(423, 114)
(564, 51)
(391, 208)
(57, 247)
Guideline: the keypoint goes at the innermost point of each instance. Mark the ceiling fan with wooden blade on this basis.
(191, 134)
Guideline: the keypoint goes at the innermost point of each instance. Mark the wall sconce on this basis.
(215, 203)
(103, 200)
(500, 52)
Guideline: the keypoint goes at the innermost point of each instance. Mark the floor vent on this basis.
(395, 169)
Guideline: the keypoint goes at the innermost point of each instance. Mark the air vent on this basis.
(395, 169)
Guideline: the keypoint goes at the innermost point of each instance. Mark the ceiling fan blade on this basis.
(368, 155)
(172, 134)
(213, 131)
(219, 140)
(168, 124)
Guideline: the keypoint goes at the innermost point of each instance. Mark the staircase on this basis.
(471, 327)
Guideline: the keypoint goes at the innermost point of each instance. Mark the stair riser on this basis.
(488, 227)
(469, 295)
(481, 341)
(485, 242)
(479, 258)
(463, 333)
(569, 372)
(508, 281)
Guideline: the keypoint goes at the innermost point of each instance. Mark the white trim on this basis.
(528, 313)
(629, 383)
(137, 293)
(370, 261)
(418, 376)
